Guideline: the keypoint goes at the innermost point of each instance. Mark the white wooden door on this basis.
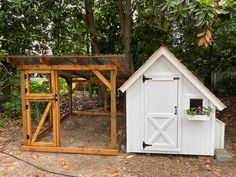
(160, 113)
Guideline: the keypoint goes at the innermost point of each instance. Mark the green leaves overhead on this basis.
(203, 14)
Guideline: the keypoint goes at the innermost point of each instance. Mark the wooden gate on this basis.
(160, 114)
(51, 111)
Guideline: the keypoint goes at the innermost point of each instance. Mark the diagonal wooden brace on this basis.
(102, 78)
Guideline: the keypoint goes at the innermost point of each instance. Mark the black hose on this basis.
(35, 166)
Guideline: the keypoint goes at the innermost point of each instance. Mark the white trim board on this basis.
(163, 51)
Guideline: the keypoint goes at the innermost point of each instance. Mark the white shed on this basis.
(158, 96)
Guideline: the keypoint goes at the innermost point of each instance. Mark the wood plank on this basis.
(67, 56)
(43, 118)
(39, 98)
(95, 81)
(38, 71)
(103, 79)
(89, 113)
(70, 150)
(29, 127)
(9, 60)
(44, 144)
(54, 127)
(120, 67)
(23, 106)
(57, 109)
(113, 109)
(74, 67)
(50, 91)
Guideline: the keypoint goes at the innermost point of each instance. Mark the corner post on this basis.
(23, 108)
(113, 108)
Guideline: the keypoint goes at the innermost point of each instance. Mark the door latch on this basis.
(146, 78)
(145, 145)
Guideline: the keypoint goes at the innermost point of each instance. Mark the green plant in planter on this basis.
(196, 111)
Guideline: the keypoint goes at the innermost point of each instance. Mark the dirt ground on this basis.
(123, 165)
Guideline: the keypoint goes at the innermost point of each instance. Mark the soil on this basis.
(124, 165)
(86, 131)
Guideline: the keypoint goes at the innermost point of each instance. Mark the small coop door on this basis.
(41, 107)
(160, 113)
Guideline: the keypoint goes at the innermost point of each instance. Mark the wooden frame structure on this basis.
(104, 66)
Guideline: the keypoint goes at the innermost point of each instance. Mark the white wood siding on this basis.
(196, 136)
(219, 134)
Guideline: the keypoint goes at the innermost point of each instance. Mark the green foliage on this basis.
(205, 111)
(39, 85)
(1, 123)
(228, 85)
(12, 107)
(63, 86)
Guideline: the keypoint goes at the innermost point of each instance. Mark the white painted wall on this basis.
(197, 137)
(219, 134)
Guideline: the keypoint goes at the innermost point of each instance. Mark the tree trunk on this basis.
(90, 22)
(125, 16)
(91, 26)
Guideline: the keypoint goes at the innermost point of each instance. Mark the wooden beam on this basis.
(67, 56)
(42, 98)
(66, 67)
(113, 109)
(96, 81)
(69, 84)
(23, 106)
(89, 113)
(57, 108)
(44, 144)
(120, 67)
(9, 60)
(54, 114)
(70, 150)
(103, 79)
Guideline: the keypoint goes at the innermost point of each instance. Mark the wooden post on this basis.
(69, 84)
(113, 108)
(57, 108)
(28, 107)
(23, 107)
(50, 91)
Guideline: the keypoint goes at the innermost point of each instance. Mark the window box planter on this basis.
(198, 118)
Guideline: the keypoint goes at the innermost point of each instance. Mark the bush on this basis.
(12, 106)
(1, 123)
(228, 85)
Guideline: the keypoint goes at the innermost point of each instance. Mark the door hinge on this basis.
(146, 78)
(26, 107)
(176, 110)
(176, 78)
(26, 90)
(55, 97)
(25, 77)
(145, 145)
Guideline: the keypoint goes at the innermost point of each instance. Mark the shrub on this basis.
(228, 85)
(1, 123)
